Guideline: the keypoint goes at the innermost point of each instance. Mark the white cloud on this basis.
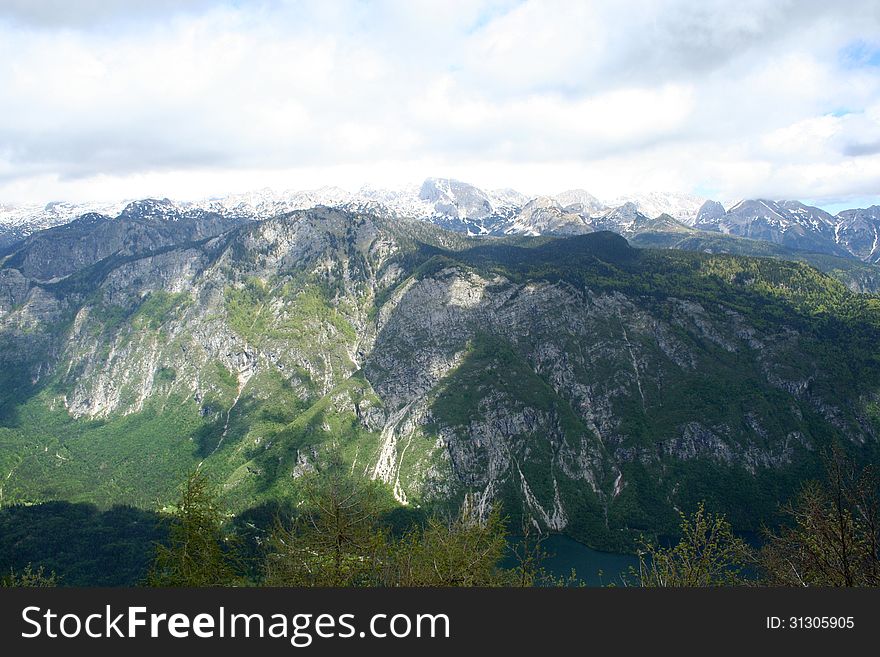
(738, 99)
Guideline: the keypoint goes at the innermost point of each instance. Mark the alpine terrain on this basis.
(447, 342)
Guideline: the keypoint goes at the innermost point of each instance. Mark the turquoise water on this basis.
(593, 567)
(597, 568)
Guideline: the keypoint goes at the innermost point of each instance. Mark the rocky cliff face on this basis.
(546, 216)
(591, 386)
(142, 227)
(859, 232)
(788, 223)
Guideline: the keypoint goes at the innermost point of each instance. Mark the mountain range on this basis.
(462, 207)
(545, 363)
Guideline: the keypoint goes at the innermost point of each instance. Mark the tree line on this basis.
(337, 538)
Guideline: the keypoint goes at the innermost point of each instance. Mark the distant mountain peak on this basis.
(626, 216)
(150, 207)
(709, 215)
(466, 208)
(682, 207)
(582, 200)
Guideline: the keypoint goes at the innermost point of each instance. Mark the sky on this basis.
(106, 99)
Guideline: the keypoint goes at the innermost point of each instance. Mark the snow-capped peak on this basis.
(683, 207)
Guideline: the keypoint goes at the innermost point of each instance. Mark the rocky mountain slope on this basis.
(789, 223)
(141, 227)
(586, 384)
(859, 232)
(19, 221)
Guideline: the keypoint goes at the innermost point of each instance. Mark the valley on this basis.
(588, 386)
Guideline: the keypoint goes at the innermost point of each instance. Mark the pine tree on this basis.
(196, 553)
(465, 551)
(336, 541)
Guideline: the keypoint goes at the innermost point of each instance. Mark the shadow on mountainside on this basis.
(83, 545)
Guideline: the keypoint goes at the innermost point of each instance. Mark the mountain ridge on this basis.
(461, 207)
(584, 383)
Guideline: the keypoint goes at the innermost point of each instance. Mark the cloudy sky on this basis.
(105, 99)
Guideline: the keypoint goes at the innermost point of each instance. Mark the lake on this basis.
(564, 553)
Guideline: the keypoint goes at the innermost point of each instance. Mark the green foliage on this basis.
(132, 459)
(335, 541)
(197, 553)
(158, 307)
(226, 378)
(464, 551)
(338, 539)
(273, 433)
(708, 554)
(29, 578)
(108, 317)
(166, 375)
(849, 271)
(155, 309)
(83, 545)
(832, 537)
(253, 312)
(246, 308)
(491, 365)
(529, 557)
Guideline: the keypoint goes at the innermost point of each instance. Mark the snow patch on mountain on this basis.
(39, 217)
